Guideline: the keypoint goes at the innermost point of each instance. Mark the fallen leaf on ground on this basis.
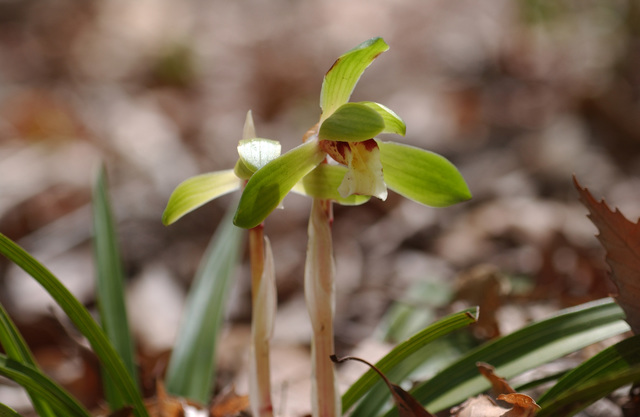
(510, 403)
(407, 405)
(621, 240)
(166, 405)
(229, 404)
(498, 385)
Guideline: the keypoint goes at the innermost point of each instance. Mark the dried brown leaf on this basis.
(407, 405)
(498, 385)
(523, 405)
(230, 404)
(621, 239)
(483, 406)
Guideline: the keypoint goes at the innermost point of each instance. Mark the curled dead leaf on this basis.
(407, 405)
(498, 385)
(509, 404)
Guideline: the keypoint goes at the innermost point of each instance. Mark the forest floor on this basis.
(519, 95)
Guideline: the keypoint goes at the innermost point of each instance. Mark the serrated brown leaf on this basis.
(407, 405)
(621, 239)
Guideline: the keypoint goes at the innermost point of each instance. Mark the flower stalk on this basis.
(320, 297)
(263, 301)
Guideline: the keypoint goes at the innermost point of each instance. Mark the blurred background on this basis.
(520, 95)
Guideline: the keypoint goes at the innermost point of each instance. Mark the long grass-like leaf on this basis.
(404, 350)
(110, 286)
(531, 346)
(573, 401)
(613, 362)
(192, 365)
(36, 382)
(8, 411)
(79, 315)
(16, 348)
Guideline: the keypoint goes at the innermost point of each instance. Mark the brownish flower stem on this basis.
(320, 297)
(260, 347)
(256, 256)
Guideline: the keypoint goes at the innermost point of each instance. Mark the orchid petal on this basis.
(352, 122)
(197, 191)
(392, 122)
(422, 176)
(269, 185)
(249, 128)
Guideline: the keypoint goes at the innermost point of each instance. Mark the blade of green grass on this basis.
(35, 381)
(405, 350)
(8, 412)
(191, 368)
(110, 287)
(531, 346)
(16, 348)
(427, 360)
(81, 318)
(572, 401)
(615, 360)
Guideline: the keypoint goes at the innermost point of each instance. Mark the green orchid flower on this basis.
(367, 166)
(254, 153)
(194, 192)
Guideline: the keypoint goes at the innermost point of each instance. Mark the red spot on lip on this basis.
(336, 150)
(370, 144)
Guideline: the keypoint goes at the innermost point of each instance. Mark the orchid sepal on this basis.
(422, 176)
(197, 191)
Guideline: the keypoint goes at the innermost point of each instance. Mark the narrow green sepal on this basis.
(269, 185)
(422, 176)
(352, 122)
(342, 77)
(323, 183)
(392, 122)
(197, 191)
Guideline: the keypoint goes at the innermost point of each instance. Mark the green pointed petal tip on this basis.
(197, 191)
(343, 76)
(269, 185)
(323, 183)
(392, 122)
(422, 176)
(352, 122)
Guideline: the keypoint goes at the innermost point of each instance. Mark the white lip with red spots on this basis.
(364, 175)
